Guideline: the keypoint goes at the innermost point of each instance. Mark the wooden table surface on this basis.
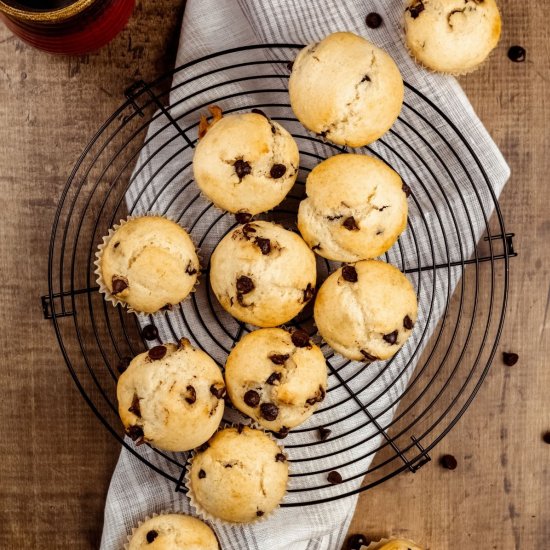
(55, 457)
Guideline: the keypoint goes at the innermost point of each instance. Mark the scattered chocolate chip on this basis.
(243, 217)
(546, 437)
(150, 332)
(407, 323)
(290, 65)
(151, 536)
(323, 134)
(279, 358)
(217, 390)
(240, 428)
(252, 398)
(135, 432)
(322, 394)
(416, 9)
(119, 284)
(244, 285)
(406, 189)
(309, 292)
(316, 246)
(190, 269)
(167, 307)
(242, 168)
(355, 542)
(277, 171)
(300, 338)
(349, 273)
(263, 244)
(282, 433)
(123, 364)
(510, 359)
(368, 356)
(366, 78)
(259, 513)
(373, 20)
(350, 224)
(391, 338)
(202, 474)
(247, 229)
(203, 447)
(260, 112)
(134, 407)
(192, 395)
(280, 457)
(274, 377)
(116, 245)
(269, 411)
(228, 465)
(517, 54)
(157, 353)
(324, 433)
(334, 477)
(449, 462)
(332, 218)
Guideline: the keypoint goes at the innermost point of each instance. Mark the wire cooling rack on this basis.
(455, 254)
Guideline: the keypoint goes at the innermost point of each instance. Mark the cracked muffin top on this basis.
(263, 274)
(346, 89)
(246, 163)
(356, 208)
(239, 476)
(452, 36)
(171, 397)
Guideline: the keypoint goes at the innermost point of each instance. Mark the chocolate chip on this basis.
(449, 462)
(510, 359)
(309, 292)
(280, 457)
(192, 395)
(151, 536)
(116, 245)
(150, 332)
(203, 447)
(252, 398)
(134, 407)
(373, 20)
(247, 229)
(407, 323)
(202, 474)
(279, 358)
(277, 171)
(269, 411)
(228, 465)
(263, 244)
(546, 438)
(300, 338)
(350, 224)
(119, 284)
(243, 217)
(135, 432)
(332, 218)
(290, 65)
(167, 307)
(260, 112)
(356, 541)
(157, 353)
(244, 285)
(217, 390)
(406, 189)
(318, 397)
(282, 433)
(316, 246)
(274, 377)
(391, 338)
(323, 134)
(366, 78)
(322, 394)
(416, 9)
(517, 54)
(349, 273)
(240, 428)
(324, 433)
(368, 356)
(259, 513)
(123, 364)
(242, 168)
(334, 477)
(190, 269)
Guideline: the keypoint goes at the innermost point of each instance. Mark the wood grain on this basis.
(56, 457)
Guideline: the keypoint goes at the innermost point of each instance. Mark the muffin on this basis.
(277, 378)
(452, 36)
(346, 89)
(246, 163)
(355, 209)
(172, 397)
(366, 311)
(173, 532)
(239, 476)
(147, 263)
(263, 274)
(394, 544)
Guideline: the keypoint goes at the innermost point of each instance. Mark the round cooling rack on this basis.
(383, 418)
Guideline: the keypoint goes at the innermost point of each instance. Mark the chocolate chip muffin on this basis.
(239, 476)
(263, 274)
(346, 89)
(173, 532)
(171, 397)
(452, 36)
(246, 163)
(148, 264)
(276, 377)
(394, 544)
(356, 208)
(366, 311)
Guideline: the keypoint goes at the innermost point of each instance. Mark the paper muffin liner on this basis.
(103, 289)
(204, 514)
(376, 545)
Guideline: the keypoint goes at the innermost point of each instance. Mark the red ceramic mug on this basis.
(72, 27)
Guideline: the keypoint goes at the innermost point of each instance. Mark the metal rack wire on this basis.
(399, 409)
